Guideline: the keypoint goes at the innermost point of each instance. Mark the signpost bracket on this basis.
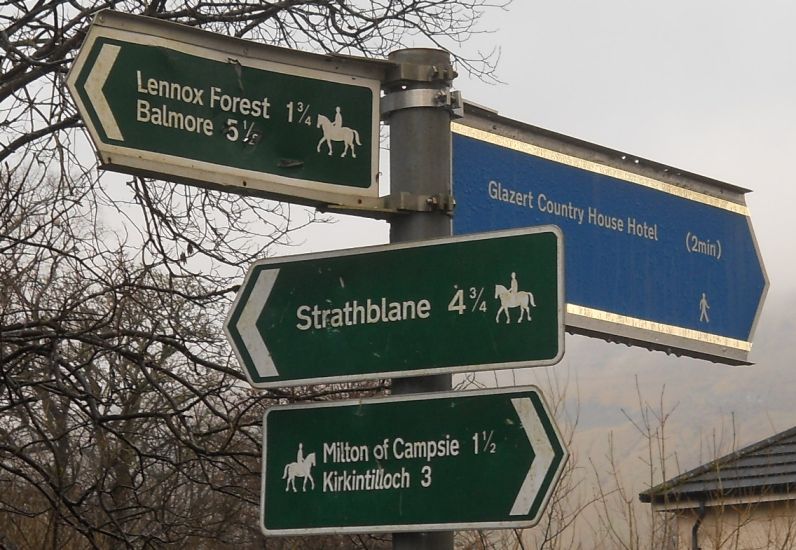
(396, 204)
(437, 98)
(412, 72)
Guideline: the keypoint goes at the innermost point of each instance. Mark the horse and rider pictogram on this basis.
(302, 467)
(512, 297)
(333, 130)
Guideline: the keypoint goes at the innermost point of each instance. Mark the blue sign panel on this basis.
(639, 252)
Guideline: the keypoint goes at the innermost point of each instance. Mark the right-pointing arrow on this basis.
(246, 326)
(543, 459)
(94, 84)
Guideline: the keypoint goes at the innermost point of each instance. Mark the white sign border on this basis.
(560, 309)
(150, 32)
(420, 527)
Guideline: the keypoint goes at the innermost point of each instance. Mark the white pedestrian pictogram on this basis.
(335, 131)
(511, 298)
(703, 309)
(302, 467)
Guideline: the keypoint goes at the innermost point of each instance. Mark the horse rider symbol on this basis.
(335, 131)
(511, 298)
(302, 467)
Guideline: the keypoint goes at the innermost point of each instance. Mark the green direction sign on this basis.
(167, 100)
(482, 301)
(468, 460)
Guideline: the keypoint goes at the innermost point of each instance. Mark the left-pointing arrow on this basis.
(94, 84)
(246, 326)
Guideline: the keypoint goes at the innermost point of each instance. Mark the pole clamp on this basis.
(408, 202)
(435, 98)
(412, 73)
(396, 204)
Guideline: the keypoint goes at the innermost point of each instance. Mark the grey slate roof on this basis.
(765, 467)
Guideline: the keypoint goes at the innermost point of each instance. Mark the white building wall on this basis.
(761, 526)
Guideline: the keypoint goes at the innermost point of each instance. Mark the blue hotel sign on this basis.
(654, 256)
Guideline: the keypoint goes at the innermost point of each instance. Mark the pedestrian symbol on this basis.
(703, 309)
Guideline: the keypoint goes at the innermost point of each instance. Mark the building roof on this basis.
(765, 467)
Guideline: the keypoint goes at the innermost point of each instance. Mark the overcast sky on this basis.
(708, 87)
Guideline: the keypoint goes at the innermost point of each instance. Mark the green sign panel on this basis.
(192, 106)
(484, 301)
(468, 460)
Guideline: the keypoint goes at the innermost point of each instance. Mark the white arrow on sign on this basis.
(247, 324)
(543, 451)
(94, 84)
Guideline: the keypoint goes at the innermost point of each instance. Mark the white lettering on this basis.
(564, 210)
(168, 118)
(603, 220)
(374, 479)
(353, 313)
(503, 194)
(429, 450)
(642, 229)
(301, 313)
(169, 90)
(242, 105)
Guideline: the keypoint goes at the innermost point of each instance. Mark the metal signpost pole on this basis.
(142, 88)
(420, 164)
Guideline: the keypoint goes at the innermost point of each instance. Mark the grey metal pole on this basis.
(420, 164)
